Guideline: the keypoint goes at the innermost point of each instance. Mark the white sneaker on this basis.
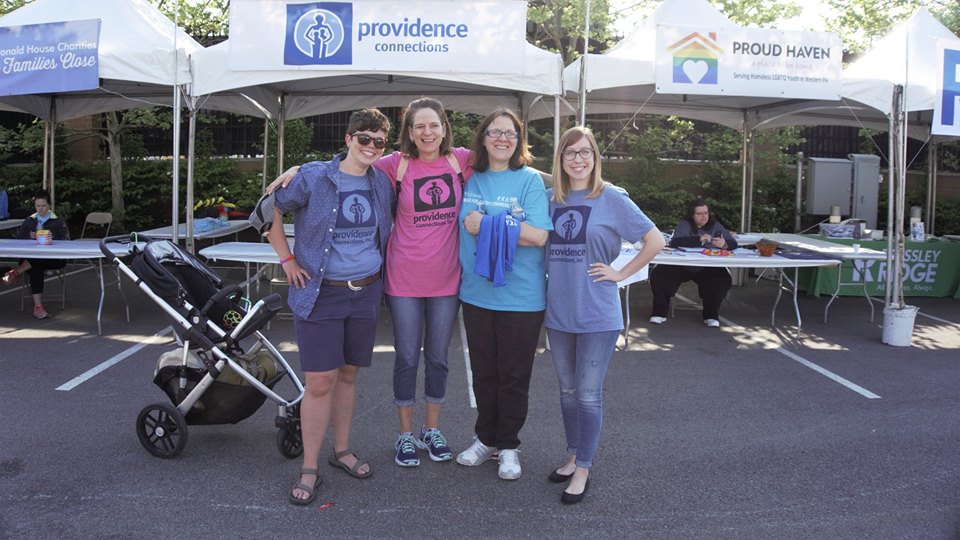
(712, 323)
(658, 320)
(509, 464)
(476, 454)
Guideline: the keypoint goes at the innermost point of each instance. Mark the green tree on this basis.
(861, 22)
(558, 25)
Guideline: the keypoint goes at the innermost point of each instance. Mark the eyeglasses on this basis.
(497, 133)
(378, 142)
(571, 155)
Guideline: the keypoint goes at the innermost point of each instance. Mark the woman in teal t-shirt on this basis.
(502, 322)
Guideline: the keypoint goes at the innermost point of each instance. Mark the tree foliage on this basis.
(861, 22)
(558, 25)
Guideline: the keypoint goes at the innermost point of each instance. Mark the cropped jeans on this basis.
(581, 362)
(427, 324)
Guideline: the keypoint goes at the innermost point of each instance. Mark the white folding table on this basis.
(69, 249)
(743, 258)
(832, 250)
(233, 226)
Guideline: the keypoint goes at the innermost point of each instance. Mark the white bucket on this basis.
(898, 324)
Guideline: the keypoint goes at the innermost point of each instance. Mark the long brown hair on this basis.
(521, 155)
(561, 180)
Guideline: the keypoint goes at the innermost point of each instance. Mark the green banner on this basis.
(929, 269)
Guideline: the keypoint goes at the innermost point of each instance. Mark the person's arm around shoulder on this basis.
(283, 180)
(296, 275)
(536, 229)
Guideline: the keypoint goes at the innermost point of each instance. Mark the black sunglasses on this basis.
(378, 142)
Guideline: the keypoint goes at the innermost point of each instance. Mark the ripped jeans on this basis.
(581, 362)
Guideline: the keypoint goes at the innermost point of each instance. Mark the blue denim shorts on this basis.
(341, 329)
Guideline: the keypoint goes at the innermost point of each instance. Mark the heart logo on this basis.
(695, 70)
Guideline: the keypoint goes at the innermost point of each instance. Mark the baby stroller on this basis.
(213, 378)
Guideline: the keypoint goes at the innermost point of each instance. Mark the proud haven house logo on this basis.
(696, 59)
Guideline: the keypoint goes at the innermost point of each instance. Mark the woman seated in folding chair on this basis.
(698, 229)
(43, 219)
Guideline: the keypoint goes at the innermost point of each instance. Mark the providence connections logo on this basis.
(695, 59)
(570, 225)
(319, 34)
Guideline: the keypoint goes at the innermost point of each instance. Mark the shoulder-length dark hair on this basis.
(521, 155)
(407, 146)
(692, 207)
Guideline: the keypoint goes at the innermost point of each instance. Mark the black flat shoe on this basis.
(557, 478)
(574, 498)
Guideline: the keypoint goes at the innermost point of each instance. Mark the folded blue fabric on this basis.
(205, 225)
(496, 246)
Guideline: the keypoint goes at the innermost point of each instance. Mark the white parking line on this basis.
(797, 358)
(466, 361)
(80, 379)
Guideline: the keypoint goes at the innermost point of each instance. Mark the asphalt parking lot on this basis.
(747, 431)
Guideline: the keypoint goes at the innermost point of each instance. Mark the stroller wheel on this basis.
(162, 430)
(290, 442)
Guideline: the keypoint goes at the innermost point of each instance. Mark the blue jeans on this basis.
(426, 323)
(581, 362)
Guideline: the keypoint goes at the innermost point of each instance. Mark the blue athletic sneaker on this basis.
(407, 450)
(435, 444)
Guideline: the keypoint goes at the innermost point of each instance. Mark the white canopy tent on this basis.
(312, 92)
(623, 80)
(143, 61)
(297, 93)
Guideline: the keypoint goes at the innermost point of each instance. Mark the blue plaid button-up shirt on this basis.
(313, 197)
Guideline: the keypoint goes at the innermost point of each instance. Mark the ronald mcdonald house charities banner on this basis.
(374, 35)
(748, 62)
(49, 58)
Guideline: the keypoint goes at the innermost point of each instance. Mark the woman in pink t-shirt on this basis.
(423, 269)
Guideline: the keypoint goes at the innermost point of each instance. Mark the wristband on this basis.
(286, 259)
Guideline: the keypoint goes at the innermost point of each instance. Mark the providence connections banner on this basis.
(748, 62)
(378, 35)
(49, 58)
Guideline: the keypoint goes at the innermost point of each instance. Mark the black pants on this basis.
(712, 284)
(37, 269)
(502, 347)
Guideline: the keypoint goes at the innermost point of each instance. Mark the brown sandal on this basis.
(311, 491)
(334, 461)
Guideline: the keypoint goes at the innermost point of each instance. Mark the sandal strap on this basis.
(308, 470)
(356, 465)
(338, 455)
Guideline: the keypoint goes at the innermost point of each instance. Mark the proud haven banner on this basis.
(49, 58)
(748, 62)
(374, 35)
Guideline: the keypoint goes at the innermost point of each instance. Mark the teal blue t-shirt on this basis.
(587, 231)
(522, 193)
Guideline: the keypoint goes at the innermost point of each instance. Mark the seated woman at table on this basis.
(583, 317)
(698, 229)
(43, 219)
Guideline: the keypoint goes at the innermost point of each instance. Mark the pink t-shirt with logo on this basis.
(422, 255)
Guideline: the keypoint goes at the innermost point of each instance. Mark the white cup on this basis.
(856, 248)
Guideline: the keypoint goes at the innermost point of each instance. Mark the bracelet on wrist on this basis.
(286, 259)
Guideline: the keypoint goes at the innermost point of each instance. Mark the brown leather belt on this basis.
(353, 284)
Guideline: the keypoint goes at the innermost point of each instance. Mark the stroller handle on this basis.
(119, 239)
